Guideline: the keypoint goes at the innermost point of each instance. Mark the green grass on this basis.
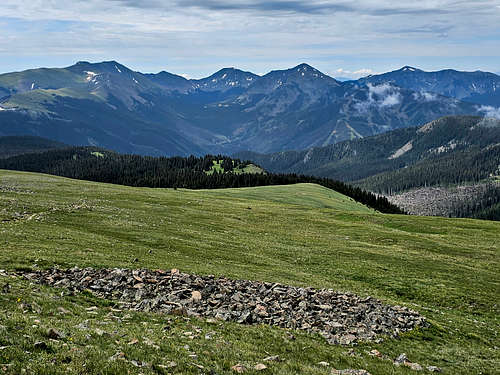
(447, 269)
(250, 168)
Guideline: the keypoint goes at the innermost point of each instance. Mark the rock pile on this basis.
(342, 318)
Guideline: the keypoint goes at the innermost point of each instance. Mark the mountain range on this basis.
(108, 105)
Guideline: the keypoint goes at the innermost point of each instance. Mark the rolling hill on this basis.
(210, 172)
(303, 235)
(110, 106)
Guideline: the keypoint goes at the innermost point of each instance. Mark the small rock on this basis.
(117, 355)
(100, 332)
(349, 372)
(375, 353)
(62, 310)
(139, 363)
(324, 364)
(83, 325)
(402, 358)
(434, 369)
(414, 366)
(238, 368)
(273, 358)
(54, 334)
(260, 367)
(133, 342)
(347, 339)
(170, 364)
(196, 296)
(40, 345)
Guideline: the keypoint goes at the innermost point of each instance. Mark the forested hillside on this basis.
(17, 145)
(466, 144)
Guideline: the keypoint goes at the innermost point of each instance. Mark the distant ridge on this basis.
(109, 105)
(17, 145)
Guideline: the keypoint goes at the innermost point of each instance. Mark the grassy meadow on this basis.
(307, 235)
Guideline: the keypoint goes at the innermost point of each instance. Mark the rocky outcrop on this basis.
(342, 318)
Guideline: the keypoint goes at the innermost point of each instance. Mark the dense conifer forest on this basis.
(457, 167)
(94, 164)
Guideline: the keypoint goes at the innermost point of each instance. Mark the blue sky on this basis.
(198, 37)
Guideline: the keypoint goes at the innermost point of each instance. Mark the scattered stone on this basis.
(434, 369)
(240, 369)
(150, 343)
(100, 332)
(196, 296)
(117, 356)
(414, 366)
(260, 367)
(170, 364)
(41, 345)
(402, 358)
(375, 353)
(273, 358)
(54, 334)
(133, 342)
(349, 372)
(324, 364)
(139, 363)
(63, 311)
(6, 288)
(342, 318)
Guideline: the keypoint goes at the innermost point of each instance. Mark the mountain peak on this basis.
(304, 67)
(225, 79)
(102, 67)
(408, 68)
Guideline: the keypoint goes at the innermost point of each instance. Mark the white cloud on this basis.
(355, 74)
(490, 111)
(384, 95)
(380, 89)
(392, 99)
(193, 36)
(424, 95)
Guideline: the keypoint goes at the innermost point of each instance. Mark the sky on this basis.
(195, 38)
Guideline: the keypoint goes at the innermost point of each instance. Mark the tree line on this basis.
(94, 164)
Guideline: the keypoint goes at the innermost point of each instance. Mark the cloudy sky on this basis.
(198, 37)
